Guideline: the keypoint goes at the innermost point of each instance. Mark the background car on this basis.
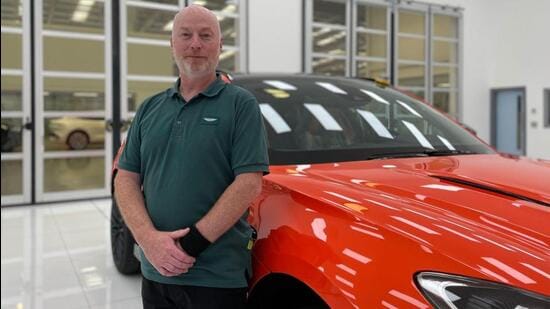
(11, 137)
(77, 133)
(376, 200)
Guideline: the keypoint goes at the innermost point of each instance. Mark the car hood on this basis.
(515, 177)
(487, 213)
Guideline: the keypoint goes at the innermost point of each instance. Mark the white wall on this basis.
(275, 36)
(505, 44)
(522, 49)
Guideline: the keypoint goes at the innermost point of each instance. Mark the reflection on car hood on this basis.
(467, 208)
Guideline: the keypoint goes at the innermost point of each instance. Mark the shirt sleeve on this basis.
(249, 151)
(130, 159)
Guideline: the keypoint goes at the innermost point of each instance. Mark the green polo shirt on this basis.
(187, 154)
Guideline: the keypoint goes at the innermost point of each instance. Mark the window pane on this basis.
(410, 75)
(411, 22)
(12, 135)
(329, 41)
(371, 45)
(74, 174)
(74, 133)
(329, 66)
(228, 60)
(445, 51)
(415, 93)
(12, 10)
(150, 23)
(330, 12)
(11, 57)
(11, 93)
(227, 6)
(230, 27)
(61, 54)
(138, 91)
(446, 101)
(62, 94)
(419, 93)
(371, 69)
(445, 26)
(74, 15)
(372, 17)
(445, 77)
(12, 177)
(411, 49)
(138, 63)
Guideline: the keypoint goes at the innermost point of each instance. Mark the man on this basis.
(198, 150)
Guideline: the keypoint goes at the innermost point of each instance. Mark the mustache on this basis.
(182, 57)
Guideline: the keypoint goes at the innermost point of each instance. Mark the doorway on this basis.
(508, 120)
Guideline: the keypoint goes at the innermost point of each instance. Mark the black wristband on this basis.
(194, 243)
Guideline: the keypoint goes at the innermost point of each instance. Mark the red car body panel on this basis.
(357, 232)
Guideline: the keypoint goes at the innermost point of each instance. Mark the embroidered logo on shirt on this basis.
(210, 120)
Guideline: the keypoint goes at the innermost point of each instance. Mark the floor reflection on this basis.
(59, 256)
(74, 174)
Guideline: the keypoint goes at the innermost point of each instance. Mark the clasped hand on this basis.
(164, 252)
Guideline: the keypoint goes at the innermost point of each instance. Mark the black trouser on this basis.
(159, 295)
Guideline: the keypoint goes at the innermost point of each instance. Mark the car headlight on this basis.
(452, 292)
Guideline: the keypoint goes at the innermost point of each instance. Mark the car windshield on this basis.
(312, 119)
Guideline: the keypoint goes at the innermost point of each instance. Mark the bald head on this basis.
(196, 42)
(196, 10)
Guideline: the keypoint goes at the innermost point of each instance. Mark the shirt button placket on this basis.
(178, 125)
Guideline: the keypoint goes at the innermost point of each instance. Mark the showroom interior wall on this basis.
(503, 46)
(523, 59)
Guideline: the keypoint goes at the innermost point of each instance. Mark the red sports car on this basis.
(377, 200)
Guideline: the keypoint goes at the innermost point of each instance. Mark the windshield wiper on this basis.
(395, 155)
(421, 153)
(447, 152)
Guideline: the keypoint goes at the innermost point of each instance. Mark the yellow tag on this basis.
(250, 244)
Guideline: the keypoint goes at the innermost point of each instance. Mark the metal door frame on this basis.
(26, 110)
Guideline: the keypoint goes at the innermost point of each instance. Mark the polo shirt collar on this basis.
(211, 91)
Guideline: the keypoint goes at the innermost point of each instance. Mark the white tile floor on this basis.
(59, 256)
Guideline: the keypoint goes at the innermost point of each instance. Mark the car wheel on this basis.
(122, 243)
(78, 140)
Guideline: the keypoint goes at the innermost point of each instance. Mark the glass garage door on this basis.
(16, 125)
(72, 97)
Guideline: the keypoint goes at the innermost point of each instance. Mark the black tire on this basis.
(122, 243)
(78, 140)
